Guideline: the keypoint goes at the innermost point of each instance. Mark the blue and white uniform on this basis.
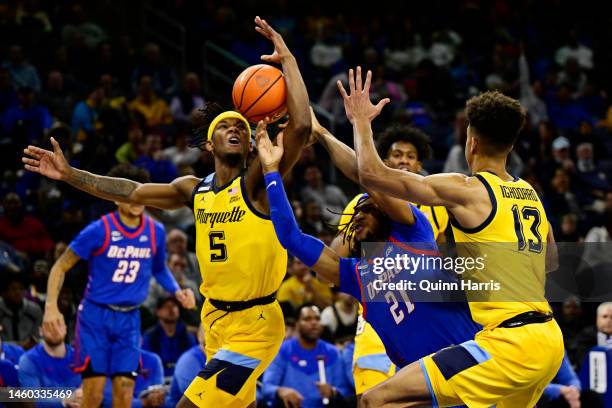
(122, 261)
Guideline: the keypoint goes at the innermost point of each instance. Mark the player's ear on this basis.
(208, 146)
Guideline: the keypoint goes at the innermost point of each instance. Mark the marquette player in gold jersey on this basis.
(241, 260)
(404, 148)
(520, 348)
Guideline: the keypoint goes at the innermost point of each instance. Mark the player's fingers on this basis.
(342, 90)
(31, 162)
(358, 79)
(35, 151)
(351, 82)
(56, 147)
(279, 140)
(382, 103)
(366, 87)
(34, 169)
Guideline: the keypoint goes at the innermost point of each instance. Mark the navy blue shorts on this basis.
(107, 341)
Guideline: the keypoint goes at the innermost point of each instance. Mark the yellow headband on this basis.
(226, 115)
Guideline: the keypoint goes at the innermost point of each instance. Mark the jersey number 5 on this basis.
(213, 238)
(526, 213)
(126, 271)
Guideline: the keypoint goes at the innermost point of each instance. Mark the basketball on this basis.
(260, 91)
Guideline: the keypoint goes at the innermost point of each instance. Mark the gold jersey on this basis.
(238, 252)
(511, 243)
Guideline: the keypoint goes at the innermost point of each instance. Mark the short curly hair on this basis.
(496, 117)
(127, 171)
(408, 134)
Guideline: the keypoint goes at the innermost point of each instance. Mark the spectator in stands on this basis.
(293, 377)
(9, 351)
(187, 368)
(8, 96)
(24, 232)
(597, 257)
(49, 364)
(565, 384)
(85, 117)
(574, 327)
(568, 231)
(176, 243)
(604, 324)
(8, 374)
(20, 318)
(37, 291)
(530, 94)
(169, 338)
(82, 28)
(564, 112)
(592, 182)
(340, 318)
(10, 260)
(23, 74)
(596, 366)
(180, 153)
(574, 49)
(574, 76)
(154, 109)
(190, 98)
(312, 221)
(131, 150)
(148, 389)
(161, 170)
(56, 98)
(327, 196)
(163, 79)
(26, 122)
(586, 134)
(303, 287)
(326, 51)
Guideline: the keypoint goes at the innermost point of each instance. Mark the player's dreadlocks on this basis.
(203, 118)
(347, 229)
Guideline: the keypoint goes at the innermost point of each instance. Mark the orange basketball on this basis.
(260, 91)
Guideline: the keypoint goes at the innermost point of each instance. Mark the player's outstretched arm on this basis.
(441, 189)
(345, 159)
(298, 104)
(54, 165)
(53, 318)
(310, 250)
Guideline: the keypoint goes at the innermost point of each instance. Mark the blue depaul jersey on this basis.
(122, 260)
(410, 329)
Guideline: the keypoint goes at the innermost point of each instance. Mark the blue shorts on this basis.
(107, 341)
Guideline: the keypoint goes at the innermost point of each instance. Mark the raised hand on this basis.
(280, 48)
(357, 102)
(269, 154)
(52, 164)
